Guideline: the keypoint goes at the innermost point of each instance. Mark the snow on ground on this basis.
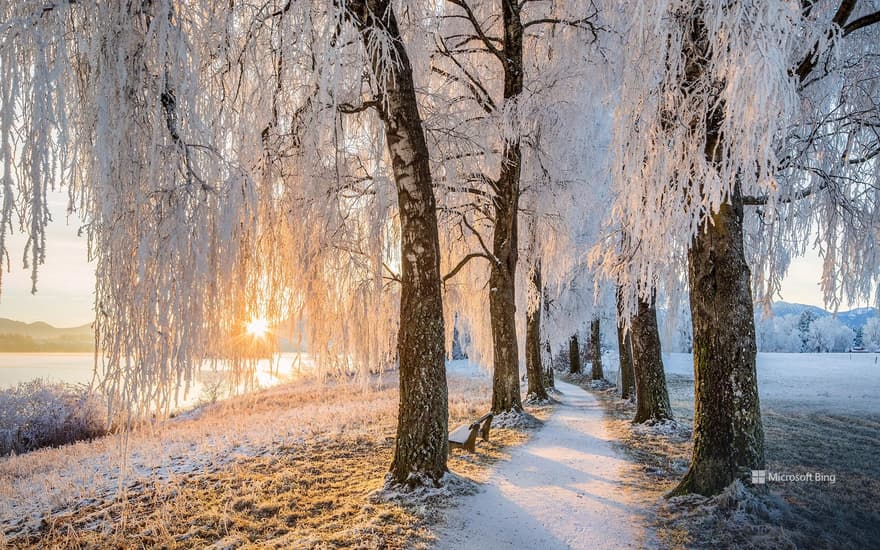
(569, 488)
(839, 382)
(563, 489)
(559, 490)
(834, 382)
(821, 416)
(464, 368)
(294, 465)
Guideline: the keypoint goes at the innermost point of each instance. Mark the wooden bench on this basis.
(465, 437)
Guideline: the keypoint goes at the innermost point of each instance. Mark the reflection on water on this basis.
(75, 368)
(212, 383)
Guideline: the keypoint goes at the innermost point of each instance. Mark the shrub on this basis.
(40, 414)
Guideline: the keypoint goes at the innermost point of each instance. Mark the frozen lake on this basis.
(76, 368)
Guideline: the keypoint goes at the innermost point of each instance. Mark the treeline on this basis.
(20, 343)
(809, 333)
(805, 332)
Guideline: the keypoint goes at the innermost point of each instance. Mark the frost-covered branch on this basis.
(862, 22)
(587, 22)
(843, 12)
(463, 262)
(477, 27)
(349, 109)
(487, 252)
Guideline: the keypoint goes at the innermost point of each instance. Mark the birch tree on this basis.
(226, 164)
(421, 445)
(652, 395)
(625, 353)
(535, 371)
(700, 144)
(671, 140)
(596, 372)
(480, 60)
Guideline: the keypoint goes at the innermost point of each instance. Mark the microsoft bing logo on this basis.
(762, 477)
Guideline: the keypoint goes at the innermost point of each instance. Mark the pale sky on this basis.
(801, 285)
(66, 281)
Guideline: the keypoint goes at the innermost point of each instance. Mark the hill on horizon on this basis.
(39, 336)
(854, 318)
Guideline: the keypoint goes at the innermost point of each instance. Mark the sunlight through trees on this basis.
(535, 180)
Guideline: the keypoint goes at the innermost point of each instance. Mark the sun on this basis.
(257, 327)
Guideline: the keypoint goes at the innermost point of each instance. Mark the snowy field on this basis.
(821, 415)
(324, 448)
(831, 382)
(842, 383)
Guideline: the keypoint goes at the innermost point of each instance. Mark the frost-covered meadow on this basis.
(290, 466)
(242, 461)
(832, 383)
(821, 417)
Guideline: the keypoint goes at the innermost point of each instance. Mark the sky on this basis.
(65, 284)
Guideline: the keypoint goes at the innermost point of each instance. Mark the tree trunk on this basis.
(574, 355)
(534, 370)
(549, 381)
(549, 378)
(624, 349)
(421, 446)
(728, 435)
(502, 307)
(502, 277)
(627, 376)
(652, 397)
(596, 350)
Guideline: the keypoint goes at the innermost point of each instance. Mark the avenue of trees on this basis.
(387, 173)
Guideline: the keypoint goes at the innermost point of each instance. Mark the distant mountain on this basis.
(857, 317)
(854, 319)
(781, 309)
(16, 336)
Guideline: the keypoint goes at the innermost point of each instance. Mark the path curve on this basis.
(559, 490)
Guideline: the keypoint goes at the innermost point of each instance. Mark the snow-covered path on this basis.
(559, 490)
